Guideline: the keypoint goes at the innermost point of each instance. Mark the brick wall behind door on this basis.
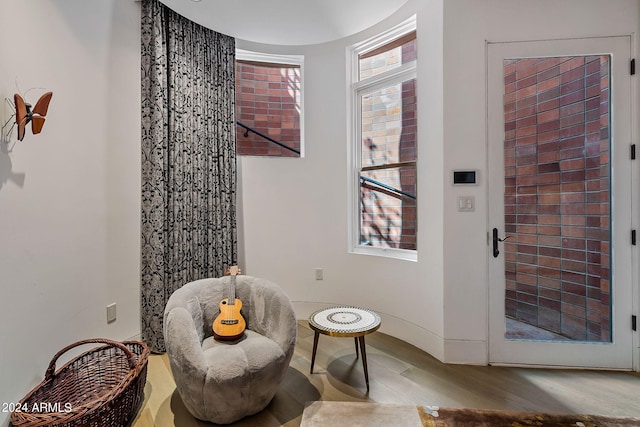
(557, 194)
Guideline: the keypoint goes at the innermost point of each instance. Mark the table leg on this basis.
(364, 360)
(316, 335)
(356, 340)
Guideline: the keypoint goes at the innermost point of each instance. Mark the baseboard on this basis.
(136, 337)
(465, 352)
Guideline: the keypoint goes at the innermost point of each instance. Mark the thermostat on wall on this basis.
(465, 177)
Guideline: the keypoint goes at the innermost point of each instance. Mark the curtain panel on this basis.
(188, 159)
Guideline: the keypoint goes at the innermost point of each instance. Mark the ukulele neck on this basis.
(232, 290)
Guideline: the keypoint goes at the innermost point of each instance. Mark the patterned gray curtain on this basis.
(188, 159)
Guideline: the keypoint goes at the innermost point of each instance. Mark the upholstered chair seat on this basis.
(224, 381)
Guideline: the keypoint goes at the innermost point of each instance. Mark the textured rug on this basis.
(361, 414)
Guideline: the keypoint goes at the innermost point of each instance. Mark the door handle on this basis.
(496, 239)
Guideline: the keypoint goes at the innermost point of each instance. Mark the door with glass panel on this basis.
(560, 203)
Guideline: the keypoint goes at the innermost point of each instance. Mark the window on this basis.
(268, 104)
(384, 155)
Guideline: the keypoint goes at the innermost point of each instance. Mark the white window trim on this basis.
(354, 90)
(247, 55)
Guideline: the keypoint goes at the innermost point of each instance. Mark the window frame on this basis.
(356, 90)
(270, 58)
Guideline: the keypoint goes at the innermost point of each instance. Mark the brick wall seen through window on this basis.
(388, 149)
(268, 100)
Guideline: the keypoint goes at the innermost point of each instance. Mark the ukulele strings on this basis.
(229, 310)
(229, 300)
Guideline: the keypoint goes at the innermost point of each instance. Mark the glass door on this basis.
(559, 118)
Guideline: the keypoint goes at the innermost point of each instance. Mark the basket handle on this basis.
(52, 365)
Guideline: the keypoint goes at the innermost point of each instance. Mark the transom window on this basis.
(385, 144)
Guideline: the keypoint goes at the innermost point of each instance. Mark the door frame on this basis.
(585, 355)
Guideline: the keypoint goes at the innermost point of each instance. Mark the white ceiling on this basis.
(286, 22)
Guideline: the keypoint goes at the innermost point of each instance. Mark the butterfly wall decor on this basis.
(24, 114)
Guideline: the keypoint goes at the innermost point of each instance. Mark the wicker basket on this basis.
(102, 387)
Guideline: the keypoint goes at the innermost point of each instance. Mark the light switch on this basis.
(466, 204)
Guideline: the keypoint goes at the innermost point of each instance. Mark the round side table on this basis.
(344, 321)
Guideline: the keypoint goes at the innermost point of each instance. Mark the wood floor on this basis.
(401, 373)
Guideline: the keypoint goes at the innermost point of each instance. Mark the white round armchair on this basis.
(221, 381)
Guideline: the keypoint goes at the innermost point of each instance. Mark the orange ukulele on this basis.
(230, 325)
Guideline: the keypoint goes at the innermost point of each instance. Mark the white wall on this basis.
(69, 197)
(294, 211)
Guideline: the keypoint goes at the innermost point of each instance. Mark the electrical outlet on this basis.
(319, 274)
(111, 313)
